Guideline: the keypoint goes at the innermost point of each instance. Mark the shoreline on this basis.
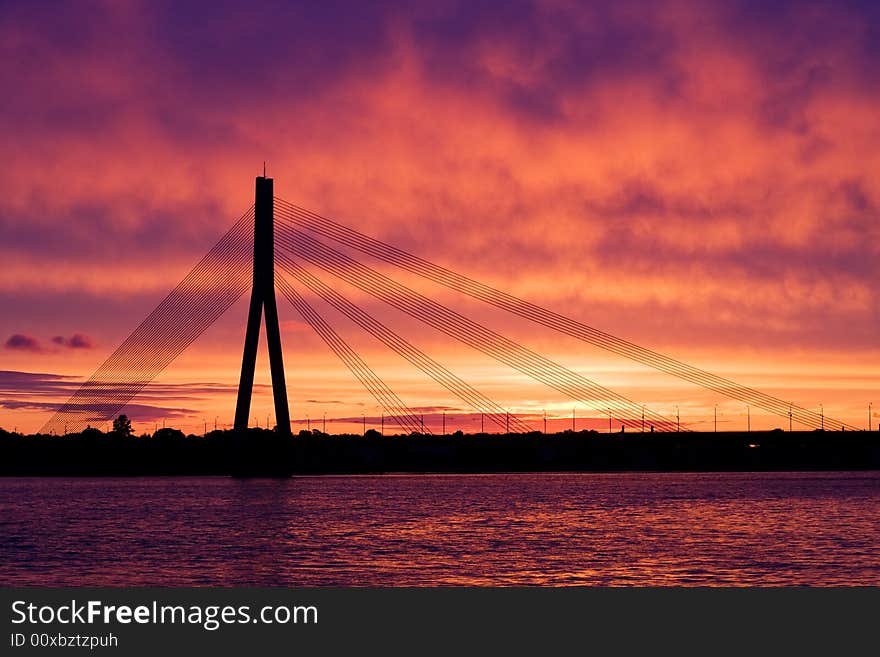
(266, 453)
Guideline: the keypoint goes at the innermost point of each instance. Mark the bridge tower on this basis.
(263, 296)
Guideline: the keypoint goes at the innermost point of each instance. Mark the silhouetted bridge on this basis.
(276, 239)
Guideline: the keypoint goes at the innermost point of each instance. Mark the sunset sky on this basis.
(698, 177)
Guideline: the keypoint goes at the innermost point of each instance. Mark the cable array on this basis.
(416, 357)
(354, 239)
(204, 294)
(396, 410)
(464, 330)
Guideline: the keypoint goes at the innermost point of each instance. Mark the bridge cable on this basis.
(213, 285)
(114, 386)
(393, 255)
(394, 408)
(419, 359)
(514, 355)
(111, 384)
(117, 380)
(459, 327)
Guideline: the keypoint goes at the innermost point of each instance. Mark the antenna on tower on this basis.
(264, 168)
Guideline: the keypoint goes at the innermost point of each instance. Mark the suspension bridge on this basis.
(279, 246)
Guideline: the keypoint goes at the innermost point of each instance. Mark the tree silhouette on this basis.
(122, 426)
(168, 434)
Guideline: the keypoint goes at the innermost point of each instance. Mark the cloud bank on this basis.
(691, 175)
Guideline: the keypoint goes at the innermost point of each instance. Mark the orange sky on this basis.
(697, 177)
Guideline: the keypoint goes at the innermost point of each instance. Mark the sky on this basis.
(697, 177)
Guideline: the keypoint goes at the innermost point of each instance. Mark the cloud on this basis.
(457, 418)
(690, 175)
(434, 409)
(42, 384)
(76, 341)
(43, 391)
(140, 412)
(12, 381)
(20, 342)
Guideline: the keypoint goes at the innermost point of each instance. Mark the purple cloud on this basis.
(76, 341)
(80, 341)
(20, 342)
(50, 385)
(138, 412)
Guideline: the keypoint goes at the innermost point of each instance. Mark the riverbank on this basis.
(259, 452)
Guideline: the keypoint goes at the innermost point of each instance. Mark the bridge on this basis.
(278, 246)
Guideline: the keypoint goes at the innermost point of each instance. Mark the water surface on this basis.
(534, 529)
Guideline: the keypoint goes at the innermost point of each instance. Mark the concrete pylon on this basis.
(263, 296)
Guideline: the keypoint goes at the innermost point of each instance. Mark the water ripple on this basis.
(520, 529)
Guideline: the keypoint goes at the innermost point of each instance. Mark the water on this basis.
(535, 529)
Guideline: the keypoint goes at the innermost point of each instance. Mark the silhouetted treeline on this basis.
(261, 452)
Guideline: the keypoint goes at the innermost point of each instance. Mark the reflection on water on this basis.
(546, 529)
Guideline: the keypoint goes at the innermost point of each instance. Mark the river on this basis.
(818, 528)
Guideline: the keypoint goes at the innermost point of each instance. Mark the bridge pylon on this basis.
(263, 296)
